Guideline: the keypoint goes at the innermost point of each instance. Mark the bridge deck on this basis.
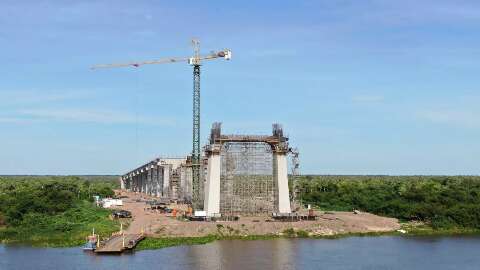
(115, 243)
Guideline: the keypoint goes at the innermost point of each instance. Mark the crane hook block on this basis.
(227, 54)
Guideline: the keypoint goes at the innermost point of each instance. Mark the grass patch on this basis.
(164, 242)
(295, 233)
(428, 230)
(157, 243)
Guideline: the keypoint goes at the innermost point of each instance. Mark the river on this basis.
(386, 252)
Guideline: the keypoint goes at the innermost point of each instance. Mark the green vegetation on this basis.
(163, 242)
(295, 233)
(53, 211)
(157, 243)
(449, 203)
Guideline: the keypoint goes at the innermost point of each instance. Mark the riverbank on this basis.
(56, 213)
(163, 230)
(152, 243)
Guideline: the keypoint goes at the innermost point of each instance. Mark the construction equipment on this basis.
(194, 61)
(295, 173)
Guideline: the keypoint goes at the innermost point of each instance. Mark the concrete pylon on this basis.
(159, 183)
(212, 186)
(122, 182)
(166, 181)
(142, 181)
(148, 182)
(281, 178)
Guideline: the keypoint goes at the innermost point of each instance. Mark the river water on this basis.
(386, 252)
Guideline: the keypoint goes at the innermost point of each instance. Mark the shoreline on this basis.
(153, 243)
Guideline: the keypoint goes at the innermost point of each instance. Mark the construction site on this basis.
(245, 180)
(239, 175)
(231, 175)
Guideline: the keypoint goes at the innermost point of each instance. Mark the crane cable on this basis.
(136, 106)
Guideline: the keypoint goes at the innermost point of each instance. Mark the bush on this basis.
(49, 196)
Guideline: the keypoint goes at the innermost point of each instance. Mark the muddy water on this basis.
(348, 253)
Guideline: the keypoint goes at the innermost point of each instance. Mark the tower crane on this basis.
(194, 61)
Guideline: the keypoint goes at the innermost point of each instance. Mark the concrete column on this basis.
(159, 180)
(137, 182)
(212, 186)
(142, 181)
(122, 182)
(148, 186)
(154, 180)
(181, 193)
(166, 181)
(145, 181)
(134, 181)
(281, 178)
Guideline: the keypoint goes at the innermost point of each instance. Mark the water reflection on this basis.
(348, 253)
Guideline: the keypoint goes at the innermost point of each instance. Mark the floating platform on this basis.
(120, 243)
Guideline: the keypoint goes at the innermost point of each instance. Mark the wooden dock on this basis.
(120, 243)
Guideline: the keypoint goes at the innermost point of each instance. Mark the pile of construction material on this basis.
(109, 203)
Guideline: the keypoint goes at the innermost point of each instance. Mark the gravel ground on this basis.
(328, 223)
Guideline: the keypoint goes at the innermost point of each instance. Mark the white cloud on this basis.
(31, 106)
(83, 115)
(13, 120)
(272, 53)
(10, 97)
(452, 117)
(413, 11)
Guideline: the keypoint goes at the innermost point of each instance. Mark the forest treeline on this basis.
(444, 202)
(42, 207)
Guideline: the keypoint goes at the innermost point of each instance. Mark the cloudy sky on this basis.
(361, 87)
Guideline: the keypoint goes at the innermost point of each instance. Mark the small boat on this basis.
(91, 244)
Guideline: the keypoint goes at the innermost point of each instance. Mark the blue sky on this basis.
(361, 87)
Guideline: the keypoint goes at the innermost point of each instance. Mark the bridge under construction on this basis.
(237, 174)
(240, 175)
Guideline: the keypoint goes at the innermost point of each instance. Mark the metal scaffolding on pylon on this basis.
(247, 183)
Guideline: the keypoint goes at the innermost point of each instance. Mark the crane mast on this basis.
(196, 176)
(195, 61)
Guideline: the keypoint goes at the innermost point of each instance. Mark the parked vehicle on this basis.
(121, 214)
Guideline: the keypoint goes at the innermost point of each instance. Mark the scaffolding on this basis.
(247, 183)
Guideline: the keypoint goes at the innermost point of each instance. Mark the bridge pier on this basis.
(281, 180)
(212, 187)
(160, 178)
(166, 180)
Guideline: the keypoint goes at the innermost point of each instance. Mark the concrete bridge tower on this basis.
(279, 148)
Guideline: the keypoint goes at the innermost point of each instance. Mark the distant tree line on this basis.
(442, 201)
